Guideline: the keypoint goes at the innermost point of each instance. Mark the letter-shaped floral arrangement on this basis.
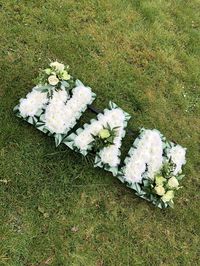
(153, 166)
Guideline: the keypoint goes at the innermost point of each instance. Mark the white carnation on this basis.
(177, 154)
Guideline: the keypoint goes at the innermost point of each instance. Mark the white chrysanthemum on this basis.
(54, 118)
(62, 112)
(60, 95)
(82, 140)
(83, 93)
(148, 153)
(96, 127)
(177, 154)
(135, 168)
(109, 155)
(34, 101)
(133, 176)
(54, 115)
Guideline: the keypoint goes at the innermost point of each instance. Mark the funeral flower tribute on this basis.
(153, 166)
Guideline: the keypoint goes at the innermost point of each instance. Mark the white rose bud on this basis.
(168, 196)
(58, 66)
(160, 190)
(173, 182)
(53, 80)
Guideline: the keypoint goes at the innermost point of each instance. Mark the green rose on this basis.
(173, 182)
(159, 180)
(169, 195)
(48, 71)
(104, 134)
(65, 75)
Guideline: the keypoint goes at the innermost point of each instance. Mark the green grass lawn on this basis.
(55, 208)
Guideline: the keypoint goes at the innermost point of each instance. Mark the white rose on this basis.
(53, 80)
(168, 196)
(58, 66)
(160, 190)
(173, 182)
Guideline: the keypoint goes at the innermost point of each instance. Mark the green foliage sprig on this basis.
(55, 77)
(164, 185)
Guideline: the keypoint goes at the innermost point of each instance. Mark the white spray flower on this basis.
(58, 66)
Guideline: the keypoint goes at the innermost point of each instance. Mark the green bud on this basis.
(104, 134)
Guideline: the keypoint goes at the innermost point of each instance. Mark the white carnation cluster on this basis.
(115, 118)
(177, 154)
(61, 113)
(147, 154)
(34, 101)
